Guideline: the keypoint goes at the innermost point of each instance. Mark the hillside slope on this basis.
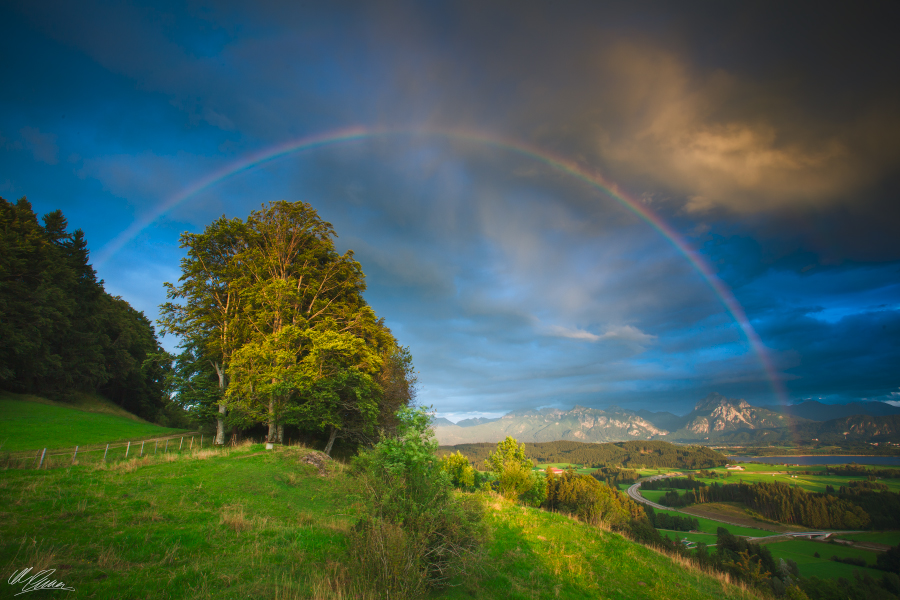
(32, 423)
(248, 523)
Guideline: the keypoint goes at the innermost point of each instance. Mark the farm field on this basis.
(249, 523)
(701, 538)
(889, 538)
(578, 468)
(710, 526)
(811, 483)
(29, 423)
(803, 552)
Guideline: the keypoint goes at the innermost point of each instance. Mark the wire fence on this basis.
(51, 458)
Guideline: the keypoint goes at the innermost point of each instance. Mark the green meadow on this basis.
(32, 423)
(889, 538)
(245, 522)
(803, 552)
(710, 526)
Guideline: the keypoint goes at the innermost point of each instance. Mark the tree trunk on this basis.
(220, 420)
(331, 441)
(271, 436)
(279, 433)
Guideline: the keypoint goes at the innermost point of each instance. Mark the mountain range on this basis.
(715, 419)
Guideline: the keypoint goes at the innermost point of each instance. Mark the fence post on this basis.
(192, 444)
(74, 455)
(166, 451)
(104, 452)
(181, 444)
(40, 464)
(127, 448)
(142, 449)
(156, 445)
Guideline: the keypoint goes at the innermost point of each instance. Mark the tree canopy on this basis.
(62, 333)
(279, 314)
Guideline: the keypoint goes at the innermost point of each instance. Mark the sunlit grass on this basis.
(30, 425)
(244, 522)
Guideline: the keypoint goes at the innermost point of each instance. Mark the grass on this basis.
(803, 552)
(32, 423)
(890, 538)
(244, 523)
(811, 483)
(710, 526)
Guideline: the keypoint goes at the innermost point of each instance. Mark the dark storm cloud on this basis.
(767, 134)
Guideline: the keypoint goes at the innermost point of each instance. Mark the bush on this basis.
(590, 500)
(515, 478)
(416, 533)
(457, 467)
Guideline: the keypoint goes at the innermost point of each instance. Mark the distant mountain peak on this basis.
(715, 400)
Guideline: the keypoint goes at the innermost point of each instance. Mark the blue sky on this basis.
(766, 136)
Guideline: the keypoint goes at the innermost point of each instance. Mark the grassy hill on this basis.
(249, 523)
(31, 423)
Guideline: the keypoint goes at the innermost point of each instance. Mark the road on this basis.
(635, 494)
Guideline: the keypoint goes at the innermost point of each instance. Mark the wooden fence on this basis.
(49, 458)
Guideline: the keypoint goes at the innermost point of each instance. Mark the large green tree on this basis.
(272, 301)
(62, 333)
(204, 307)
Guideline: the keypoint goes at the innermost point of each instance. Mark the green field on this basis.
(701, 538)
(578, 468)
(710, 526)
(249, 523)
(890, 538)
(28, 423)
(811, 483)
(803, 552)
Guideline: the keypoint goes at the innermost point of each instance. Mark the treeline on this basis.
(648, 454)
(672, 522)
(613, 476)
(855, 470)
(779, 502)
(61, 332)
(678, 483)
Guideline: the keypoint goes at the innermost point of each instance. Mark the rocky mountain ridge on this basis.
(714, 419)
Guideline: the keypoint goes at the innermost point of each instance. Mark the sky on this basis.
(632, 204)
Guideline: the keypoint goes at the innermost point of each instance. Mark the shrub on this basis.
(590, 500)
(416, 533)
(457, 467)
(516, 479)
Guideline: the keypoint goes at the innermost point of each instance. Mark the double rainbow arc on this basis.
(571, 168)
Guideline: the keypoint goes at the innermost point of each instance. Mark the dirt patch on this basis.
(317, 459)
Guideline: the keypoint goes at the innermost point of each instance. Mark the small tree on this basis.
(509, 454)
(416, 533)
(515, 478)
(457, 467)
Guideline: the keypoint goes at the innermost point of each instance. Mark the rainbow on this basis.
(569, 167)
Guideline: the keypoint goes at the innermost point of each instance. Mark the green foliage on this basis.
(664, 520)
(509, 453)
(30, 424)
(890, 560)
(514, 475)
(590, 500)
(648, 454)
(779, 502)
(416, 533)
(62, 333)
(280, 316)
(461, 473)
(613, 476)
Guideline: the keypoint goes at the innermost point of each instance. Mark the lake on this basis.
(820, 460)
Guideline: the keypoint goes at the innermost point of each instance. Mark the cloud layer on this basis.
(767, 135)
